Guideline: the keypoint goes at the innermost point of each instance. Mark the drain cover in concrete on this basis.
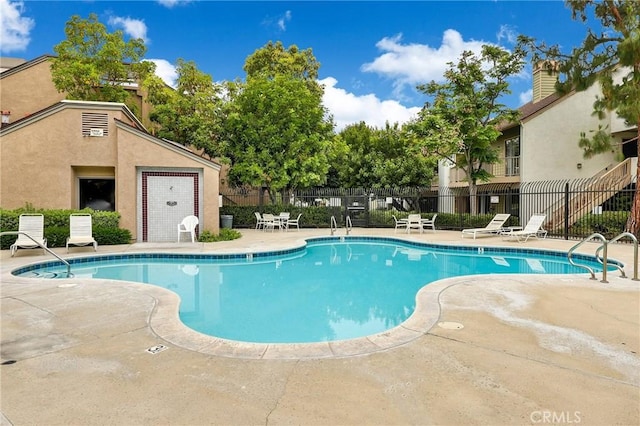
(450, 325)
(156, 349)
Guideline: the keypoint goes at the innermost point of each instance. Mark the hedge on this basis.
(320, 217)
(106, 228)
(609, 224)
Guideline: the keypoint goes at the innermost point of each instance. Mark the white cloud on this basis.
(508, 33)
(166, 71)
(172, 3)
(412, 64)
(14, 28)
(348, 108)
(135, 28)
(525, 97)
(282, 21)
(279, 22)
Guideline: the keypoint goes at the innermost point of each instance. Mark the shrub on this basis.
(224, 235)
(609, 224)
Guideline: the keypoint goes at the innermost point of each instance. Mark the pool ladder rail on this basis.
(603, 259)
(334, 225)
(42, 246)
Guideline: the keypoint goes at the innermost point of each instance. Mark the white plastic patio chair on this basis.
(400, 223)
(188, 226)
(33, 225)
(259, 220)
(431, 223)
(284, 217)
(414, 220)
(271, 221)
(294, 222)
(81, 231)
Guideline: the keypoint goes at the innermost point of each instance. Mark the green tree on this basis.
(192, 113)
(461, 123)
(273, 59)
(277, 135)
(95, 65)
(278, 132)
(381, 158)
(614, 51)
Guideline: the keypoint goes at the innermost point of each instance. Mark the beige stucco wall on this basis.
(549, 146)
(32, 89)
(41, 161)
(37, 160)
(135, 152)
(28, 91)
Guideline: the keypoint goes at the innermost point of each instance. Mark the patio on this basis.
(534, 349)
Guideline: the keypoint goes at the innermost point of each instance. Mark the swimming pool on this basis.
(331, 289)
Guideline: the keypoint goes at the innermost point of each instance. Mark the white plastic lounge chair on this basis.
(81, 231)
(400, 223)
(32, 224)
(259, 220)
(294, 222)
(430, 222)
(533, 228)
(188, 226)
(493, 228)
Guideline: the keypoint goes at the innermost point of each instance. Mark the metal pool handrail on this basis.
(333, 225)
(635, 253)
(348, 224)
(42, 246)
(604, 256)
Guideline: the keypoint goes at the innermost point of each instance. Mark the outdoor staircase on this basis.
(596, 191)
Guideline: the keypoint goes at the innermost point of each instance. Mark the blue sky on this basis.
(372, 54)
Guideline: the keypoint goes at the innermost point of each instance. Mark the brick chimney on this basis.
(545, 75)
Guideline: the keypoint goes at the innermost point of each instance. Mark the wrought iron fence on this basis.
(574, 208)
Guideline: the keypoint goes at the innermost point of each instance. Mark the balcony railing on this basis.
(508, 167)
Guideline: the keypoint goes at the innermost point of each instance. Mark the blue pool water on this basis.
(328, 290)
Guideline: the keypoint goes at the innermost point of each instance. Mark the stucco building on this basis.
(543, 146)
(61, 154)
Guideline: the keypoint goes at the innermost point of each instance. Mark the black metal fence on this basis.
(574, 208)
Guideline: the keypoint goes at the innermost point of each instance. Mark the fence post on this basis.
(566, 211)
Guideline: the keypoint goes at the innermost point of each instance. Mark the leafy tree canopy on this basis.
(95, 65)
(379, 158)
(192, 113)
(277, 135)
(461, 123)
(273, 59)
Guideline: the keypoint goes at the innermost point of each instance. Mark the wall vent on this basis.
(95, 124)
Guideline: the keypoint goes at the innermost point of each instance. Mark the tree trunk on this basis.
(633, 223)
(473, 198)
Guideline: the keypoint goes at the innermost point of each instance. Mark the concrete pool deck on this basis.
(534, 349)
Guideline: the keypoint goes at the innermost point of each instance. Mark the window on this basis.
(512, 156)
(98, 194)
